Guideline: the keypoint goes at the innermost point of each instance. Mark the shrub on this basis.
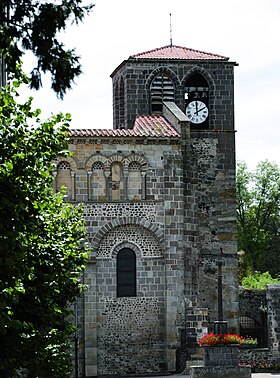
(258, 280)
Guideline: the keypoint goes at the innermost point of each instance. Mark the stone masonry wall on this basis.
(131, 336)
(174, 255)
(138, 75)
(259, 305)
(141, 334)
(253, 305)
(177, 233)
(131, 330)
(210, 203)
(273, 316)
(181, 226)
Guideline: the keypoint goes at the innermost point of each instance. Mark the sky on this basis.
(246, 31)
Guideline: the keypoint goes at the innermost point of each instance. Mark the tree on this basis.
(258, 216)
(42, 244)
(34, 25)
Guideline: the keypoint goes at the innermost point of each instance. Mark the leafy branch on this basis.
(34, 25)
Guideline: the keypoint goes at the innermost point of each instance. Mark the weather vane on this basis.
(170, 30)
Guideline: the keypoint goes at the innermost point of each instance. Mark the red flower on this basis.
(220, 339)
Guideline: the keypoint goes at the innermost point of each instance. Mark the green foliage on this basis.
(249, 341)
(258, 216)
(42, 244)
(34, 25)
(258, 280)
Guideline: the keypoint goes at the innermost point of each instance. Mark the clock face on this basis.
(197, 111)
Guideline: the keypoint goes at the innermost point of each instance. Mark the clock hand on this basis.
(199, 110)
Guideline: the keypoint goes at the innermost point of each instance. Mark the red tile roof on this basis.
(151, 126)
(154, 125)
(177, 52)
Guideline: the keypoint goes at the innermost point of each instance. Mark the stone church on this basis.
(159, 196)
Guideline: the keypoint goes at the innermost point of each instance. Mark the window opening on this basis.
(63, 165)
(197, 89)
(126, 273)
(162, 89)
(134, 166)
(97, 165)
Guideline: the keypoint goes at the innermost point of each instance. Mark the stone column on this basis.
(125, 188)
(107, 176)
(89, 185)
(73, 186)
(143, 185)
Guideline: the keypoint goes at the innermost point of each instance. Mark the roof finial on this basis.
(170, 30)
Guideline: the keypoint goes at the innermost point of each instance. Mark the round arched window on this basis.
(126, 273)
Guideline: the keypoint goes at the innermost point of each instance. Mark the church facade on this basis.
(159, 196)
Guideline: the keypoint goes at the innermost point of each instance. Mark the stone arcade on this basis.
(159, 195)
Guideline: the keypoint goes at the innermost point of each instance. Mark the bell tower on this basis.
(199, 83)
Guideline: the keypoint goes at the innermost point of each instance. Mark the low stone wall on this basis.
(257, 357)
(224, 355)
(252, 357)
(220, 361)
(216, 371)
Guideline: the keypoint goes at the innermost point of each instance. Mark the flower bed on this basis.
(221, 339)
(225, 339)
(262, 367)
(249, 342)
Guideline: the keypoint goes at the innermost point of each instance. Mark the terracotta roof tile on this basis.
(153, 126)
(100, 133)
(178, 52)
